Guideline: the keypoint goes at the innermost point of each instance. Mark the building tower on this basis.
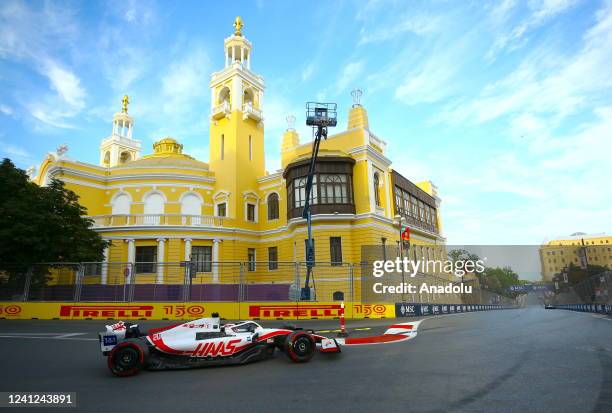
(236, 126)
(119, 147)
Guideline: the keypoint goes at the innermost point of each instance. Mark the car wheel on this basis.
(300, 346)
(128, 358)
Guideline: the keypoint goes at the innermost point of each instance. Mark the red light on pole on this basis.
(406, 237)
(406, 234)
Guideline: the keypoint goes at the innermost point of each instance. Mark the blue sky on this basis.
(506, 105)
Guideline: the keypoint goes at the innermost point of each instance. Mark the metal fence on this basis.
(211, 282)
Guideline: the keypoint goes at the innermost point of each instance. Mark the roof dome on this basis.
(167, 146)
(167, 152)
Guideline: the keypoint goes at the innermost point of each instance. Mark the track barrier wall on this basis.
(191, 310)
(422, 310)
(587, 308)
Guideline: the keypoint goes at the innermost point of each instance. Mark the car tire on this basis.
(300, 346)
(128, 357)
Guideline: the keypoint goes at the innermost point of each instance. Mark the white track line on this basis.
(48, 336)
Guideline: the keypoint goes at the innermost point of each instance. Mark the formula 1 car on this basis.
(205, 342)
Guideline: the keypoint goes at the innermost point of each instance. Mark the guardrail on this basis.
(587, 308)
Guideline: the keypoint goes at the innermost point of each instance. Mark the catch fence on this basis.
(594, 290)
(267, 281)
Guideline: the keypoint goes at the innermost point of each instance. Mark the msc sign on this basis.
(525, 288)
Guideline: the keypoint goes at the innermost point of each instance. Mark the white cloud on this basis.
(28, 33)
(33, 35)
(65, 83)
(308, 71)
(17, 154)
(539, 13)
(349, 74)
(185, 83)
(57, 109)
(546, 82)
(178, 107)
(6, 110)
(417, 24)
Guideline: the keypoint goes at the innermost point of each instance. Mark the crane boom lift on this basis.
(319, 116)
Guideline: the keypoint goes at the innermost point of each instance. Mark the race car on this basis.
(205, 342)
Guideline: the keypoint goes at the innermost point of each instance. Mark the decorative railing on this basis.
(220, 111)
(249, 111)
(102, 221)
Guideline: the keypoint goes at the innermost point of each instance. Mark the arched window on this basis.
(376, 191)
(248, 97)
(121, 204)
(153, 208)
(107, 158)
(224, 95)
(125, 157)
(191, 209)
(273, 206)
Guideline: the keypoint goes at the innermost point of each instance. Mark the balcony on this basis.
(221, 111)
(135, 220)
(248, 111)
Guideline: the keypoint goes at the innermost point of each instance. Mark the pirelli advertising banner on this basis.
(191, 310)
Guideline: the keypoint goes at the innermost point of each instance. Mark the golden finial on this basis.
(126, 102)
(238, 26)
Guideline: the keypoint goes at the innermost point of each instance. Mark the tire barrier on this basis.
(420, 310)
(587, 308)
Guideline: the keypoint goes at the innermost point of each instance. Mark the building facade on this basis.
(579, 249)
(168, 207)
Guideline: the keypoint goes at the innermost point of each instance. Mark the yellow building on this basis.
(578, 249)
(167, 207)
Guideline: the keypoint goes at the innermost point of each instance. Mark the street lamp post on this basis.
(401, 252)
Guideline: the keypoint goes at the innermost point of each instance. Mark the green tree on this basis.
(42, 224)
(499, 280)
(576, 274)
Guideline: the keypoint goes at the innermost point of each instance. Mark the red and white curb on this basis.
(394, 334)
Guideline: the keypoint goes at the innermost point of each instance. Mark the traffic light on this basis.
(406, 234)
(406, 237)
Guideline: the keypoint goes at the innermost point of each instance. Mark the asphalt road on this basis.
(527, 360)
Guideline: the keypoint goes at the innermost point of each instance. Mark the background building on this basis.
(167, 207)
(579, 249)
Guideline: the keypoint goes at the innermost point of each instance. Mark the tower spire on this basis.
(120, 147)
(125, 102)
(238, 26)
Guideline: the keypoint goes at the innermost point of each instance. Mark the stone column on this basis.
(187, 249)
(161, 243)
(371, 186)
(131, 259)
(104, 270)
(215, 259)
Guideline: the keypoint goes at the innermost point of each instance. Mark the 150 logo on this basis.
(181, 310)
(10, 310)
(370, 309)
